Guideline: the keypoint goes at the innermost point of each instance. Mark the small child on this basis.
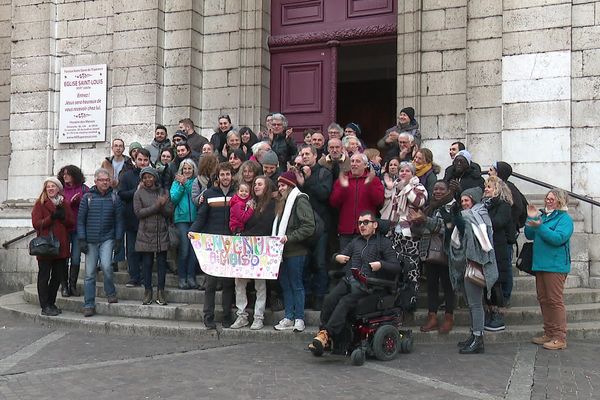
(241, 209)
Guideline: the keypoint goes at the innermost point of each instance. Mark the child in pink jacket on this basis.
(241, 209)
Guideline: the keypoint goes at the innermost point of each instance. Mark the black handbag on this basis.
(525, 258)
(431, 250)
(44, 246)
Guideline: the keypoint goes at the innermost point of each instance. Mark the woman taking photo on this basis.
(184, 216)
(152, 207)
(260, 224)
(551, 230)
(294, 223)
(72, 180)
(408, 197)
(52, 213)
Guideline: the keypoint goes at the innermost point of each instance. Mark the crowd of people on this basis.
(326, 199)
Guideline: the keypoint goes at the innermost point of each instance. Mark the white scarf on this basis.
(287, 212)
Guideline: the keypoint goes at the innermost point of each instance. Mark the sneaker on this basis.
(132, 284)
(299, 325)
(240, 322)
(320, 343)
(555, 345)
(112, 299)
(496, 323)
(540, 340)
(257, 324)
(89, 312)
(183, 285)
(284, 325)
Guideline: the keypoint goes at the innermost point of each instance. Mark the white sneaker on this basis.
(284, 325)
(240, 322)
(299, 325)
(257, 324)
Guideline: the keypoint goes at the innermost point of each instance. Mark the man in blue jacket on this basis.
(99, 225)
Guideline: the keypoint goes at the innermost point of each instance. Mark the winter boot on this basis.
(475, 347)
(147, 297)
(431, 323)
(447, 324)
(160, 297)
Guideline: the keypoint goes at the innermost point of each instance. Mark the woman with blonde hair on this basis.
(249, 170)
(427, 170)
(498, 201)
(551, 230)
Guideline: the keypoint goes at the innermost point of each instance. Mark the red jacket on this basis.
(239, 214)
(355, 198)
(41, 221)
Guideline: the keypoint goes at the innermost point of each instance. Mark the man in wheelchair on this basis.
(369, 255)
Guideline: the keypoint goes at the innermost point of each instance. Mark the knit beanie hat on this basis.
(289, 178)
(465, 154)
(270, 158)
(151, 171)
(180, 134)
(503, 169)
(410, 112)
(474, 193)
(354, 126)
(55, 181)
(133, 146)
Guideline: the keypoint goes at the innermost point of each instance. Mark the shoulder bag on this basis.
(45, 246)
(474, 273)
(525, 258)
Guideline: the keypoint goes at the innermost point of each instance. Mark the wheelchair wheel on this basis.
(386, 342)
(357, 357)
(406, 345)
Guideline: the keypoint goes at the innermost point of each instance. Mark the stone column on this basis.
(484, 80)
(33, 118)
(434, 71)
(5, 45)
(585, 124)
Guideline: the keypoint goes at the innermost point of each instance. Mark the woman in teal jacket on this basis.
(551, 230)
(184, 216)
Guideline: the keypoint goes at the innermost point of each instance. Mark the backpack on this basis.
(523, 216)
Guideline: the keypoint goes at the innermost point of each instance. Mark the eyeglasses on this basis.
(103, 180)
(365, 222)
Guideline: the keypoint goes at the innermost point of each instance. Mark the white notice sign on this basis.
(82, 104)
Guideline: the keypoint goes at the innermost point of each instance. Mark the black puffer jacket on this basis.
(318, 188)
(377, 248)
(128, 184)
(261, 223)
(504, 228)
(470, 179)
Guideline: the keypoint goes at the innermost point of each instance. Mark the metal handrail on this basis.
(23, 236)
(549, 186)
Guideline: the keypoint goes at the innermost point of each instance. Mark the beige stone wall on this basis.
(5, 32)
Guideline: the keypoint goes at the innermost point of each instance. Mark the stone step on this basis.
(107, 324)
(178, 311)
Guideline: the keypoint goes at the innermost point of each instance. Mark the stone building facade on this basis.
(518, 80)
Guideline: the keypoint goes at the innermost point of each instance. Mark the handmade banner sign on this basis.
(252, 257)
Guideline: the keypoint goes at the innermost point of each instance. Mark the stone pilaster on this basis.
(5, 45)
(484, 80)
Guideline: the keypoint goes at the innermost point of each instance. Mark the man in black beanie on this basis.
(406, 123)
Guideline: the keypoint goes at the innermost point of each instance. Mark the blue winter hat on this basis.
(354, 126)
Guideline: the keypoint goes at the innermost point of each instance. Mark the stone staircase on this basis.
(183, 315)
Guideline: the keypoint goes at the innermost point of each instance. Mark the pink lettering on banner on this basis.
(251, 257)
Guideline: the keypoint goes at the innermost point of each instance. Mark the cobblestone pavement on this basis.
(42, 363)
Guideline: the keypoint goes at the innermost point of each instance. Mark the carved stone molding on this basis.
(367, 32)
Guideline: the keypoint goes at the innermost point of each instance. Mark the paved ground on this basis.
(42, 363)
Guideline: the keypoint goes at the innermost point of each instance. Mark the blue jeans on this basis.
(102, 250)
(134, 259)
(161, 263)
(290, 279)
(316, 278)
(186, 258)
(508, 285)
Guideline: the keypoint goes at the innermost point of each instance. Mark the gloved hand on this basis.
(118, 244)
(83, 246)
(58, 214)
